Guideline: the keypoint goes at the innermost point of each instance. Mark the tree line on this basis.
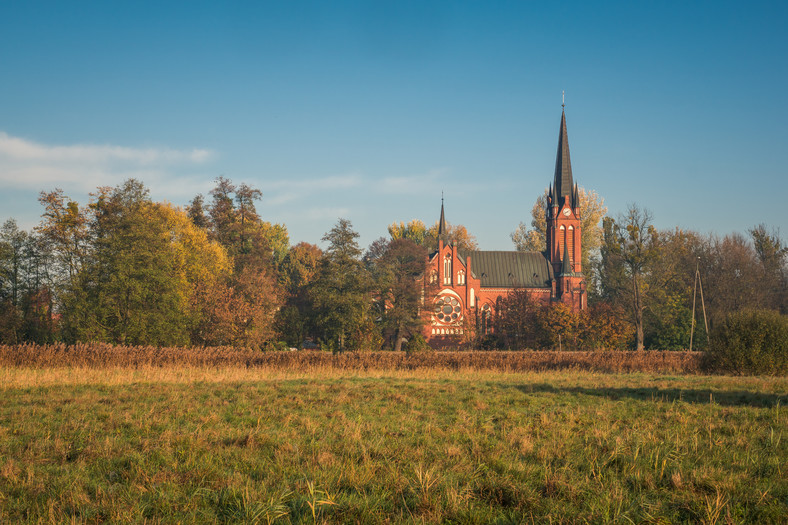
(127, 270)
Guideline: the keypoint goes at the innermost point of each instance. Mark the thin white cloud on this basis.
(418, 184)
(331, 182)
(26, 164)
(284, 192)
(327, 213)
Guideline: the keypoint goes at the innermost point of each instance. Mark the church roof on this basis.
(497, 269)
(563, 184)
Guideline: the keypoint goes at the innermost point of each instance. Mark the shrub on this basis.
(416, 344)
(750, 342)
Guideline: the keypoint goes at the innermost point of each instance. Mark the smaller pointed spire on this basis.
(576, 198)
(566, 267)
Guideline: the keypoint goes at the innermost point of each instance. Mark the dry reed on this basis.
(102, 356)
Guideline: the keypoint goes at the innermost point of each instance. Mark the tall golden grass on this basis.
(100, 355)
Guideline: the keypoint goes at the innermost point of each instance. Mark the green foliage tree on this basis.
(340, 294)
(667, 320)
(12, 248)
(12, 243)
(125, 292)
(138, 283)
(197, 213)
(750, 342)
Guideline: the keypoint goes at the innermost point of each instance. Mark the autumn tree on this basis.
(417, 232)
(298, 270)
(592, 210)
(222, 213)
(628, 252)
(414, 230)
(559, 327)
(604, 327)
(773, 256)
(517, 321)
(731, 277)
(138, 284)
(64, 226)
(458, 235)
(240, 310)
(398, 270)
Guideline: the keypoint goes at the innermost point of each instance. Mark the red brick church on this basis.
(470, 284)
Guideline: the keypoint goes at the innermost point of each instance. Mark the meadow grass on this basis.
(264, 445)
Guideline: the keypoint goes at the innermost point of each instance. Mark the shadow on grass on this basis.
(668, 395)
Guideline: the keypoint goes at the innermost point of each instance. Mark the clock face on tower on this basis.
(567, 211)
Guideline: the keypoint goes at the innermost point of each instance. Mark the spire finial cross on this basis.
(563, 98)
(441, 197)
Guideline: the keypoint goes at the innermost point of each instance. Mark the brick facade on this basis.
(463, 289)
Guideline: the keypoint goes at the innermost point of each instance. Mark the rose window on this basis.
(447, 309)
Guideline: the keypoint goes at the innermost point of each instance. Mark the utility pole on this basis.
(698, 284)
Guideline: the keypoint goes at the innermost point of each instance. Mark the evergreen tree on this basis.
(341, 293)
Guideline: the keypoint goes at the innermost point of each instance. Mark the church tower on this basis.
(564, 226)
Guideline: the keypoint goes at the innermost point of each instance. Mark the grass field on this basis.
(261, 445)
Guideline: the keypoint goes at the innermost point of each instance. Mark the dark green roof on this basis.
(510, 269)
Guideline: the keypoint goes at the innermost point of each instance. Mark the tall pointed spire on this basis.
(563, 185)
(442, 230)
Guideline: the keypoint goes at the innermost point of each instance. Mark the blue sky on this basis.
(369, 110)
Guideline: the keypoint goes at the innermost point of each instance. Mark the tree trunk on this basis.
(638, 313)
(398, 339)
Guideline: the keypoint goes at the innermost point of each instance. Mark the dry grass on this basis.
(102, 356)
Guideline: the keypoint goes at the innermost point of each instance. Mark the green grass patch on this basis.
(461, 447)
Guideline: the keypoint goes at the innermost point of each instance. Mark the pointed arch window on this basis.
(486, 319)
(461, 277)
(433, 276)
(473, 298)
(561, 240)
(571, 239)
(447, 269)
